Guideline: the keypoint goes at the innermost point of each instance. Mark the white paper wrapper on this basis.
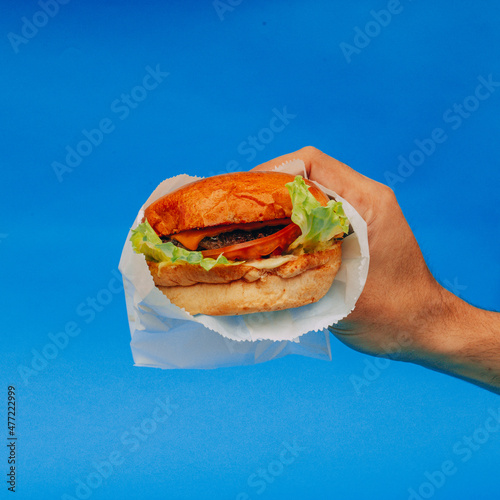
(166, 336)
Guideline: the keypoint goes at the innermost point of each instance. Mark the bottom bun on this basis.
(241, 297)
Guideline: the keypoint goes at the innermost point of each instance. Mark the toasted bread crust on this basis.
(187, 275)
(242, 297)
(235, 198)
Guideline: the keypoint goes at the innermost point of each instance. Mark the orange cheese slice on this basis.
(191, 238)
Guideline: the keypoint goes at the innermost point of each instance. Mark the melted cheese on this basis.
(191, 238)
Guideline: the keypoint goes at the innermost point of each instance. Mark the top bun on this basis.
(235, 198)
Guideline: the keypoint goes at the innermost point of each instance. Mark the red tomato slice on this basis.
(256, 249)
(192, 237)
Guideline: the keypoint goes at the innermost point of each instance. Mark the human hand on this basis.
(402, 312)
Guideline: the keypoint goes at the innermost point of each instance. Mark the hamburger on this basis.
(242, 243)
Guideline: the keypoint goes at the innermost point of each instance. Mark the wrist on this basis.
(460, 340)
(426, 319)
(437, 337)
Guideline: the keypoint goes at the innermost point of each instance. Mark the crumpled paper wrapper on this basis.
(166, 336)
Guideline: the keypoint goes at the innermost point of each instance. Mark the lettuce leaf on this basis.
(146, 241)
(318, 224)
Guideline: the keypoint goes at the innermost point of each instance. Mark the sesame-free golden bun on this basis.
(236, 198)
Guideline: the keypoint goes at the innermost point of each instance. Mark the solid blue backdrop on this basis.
(102, 101)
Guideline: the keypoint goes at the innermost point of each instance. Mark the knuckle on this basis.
(310, 151)
(383, 197)
(387, 194)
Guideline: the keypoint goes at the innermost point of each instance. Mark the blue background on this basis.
(61, 240)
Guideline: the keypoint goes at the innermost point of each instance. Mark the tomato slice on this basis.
(192, 237)
(261, 247)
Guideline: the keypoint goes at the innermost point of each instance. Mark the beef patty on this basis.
(230, 238)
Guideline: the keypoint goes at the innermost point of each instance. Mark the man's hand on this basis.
(403, 312)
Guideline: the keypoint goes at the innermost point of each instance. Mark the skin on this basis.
(403, 312)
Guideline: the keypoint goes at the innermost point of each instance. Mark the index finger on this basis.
(360, 191)
(326, 170)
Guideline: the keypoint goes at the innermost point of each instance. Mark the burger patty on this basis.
(236, 237)
(229, 238)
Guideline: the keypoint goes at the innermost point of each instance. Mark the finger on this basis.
(328, 171)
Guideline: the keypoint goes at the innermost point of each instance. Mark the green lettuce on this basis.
(146, 241)
(318, 224)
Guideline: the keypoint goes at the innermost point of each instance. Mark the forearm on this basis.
(463, 341)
